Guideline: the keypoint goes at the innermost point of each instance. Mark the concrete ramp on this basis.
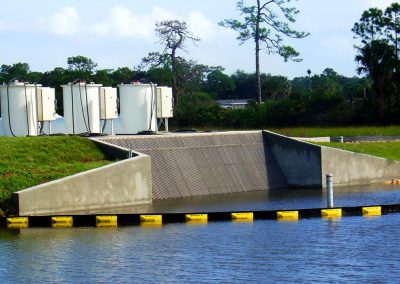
(187, 165)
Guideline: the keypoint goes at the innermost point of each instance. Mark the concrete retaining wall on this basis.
(187, 165)
(350, 168)
(300, 162)
(305, 164)
(124, 183)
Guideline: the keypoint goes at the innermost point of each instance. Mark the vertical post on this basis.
(329, 190)
(341, 139)
(49, 127)
(130, 154)
(112, 127)
(166, 124)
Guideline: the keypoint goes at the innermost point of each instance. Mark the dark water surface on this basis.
(350, 250)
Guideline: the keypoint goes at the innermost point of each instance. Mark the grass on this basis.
(29, 161)
(338, 131)
(317, 131)
(388, 150)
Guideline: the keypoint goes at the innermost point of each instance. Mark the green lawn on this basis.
(316, 131)
(29, 161)
(388, 150)
(338, 131)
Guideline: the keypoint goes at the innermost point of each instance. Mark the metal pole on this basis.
(49, 127)
(112, 127)
(329, 190)
(166, 124)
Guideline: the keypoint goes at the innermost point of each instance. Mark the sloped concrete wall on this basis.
(300, 162)
(350, 168)
(187, 165)
(124, 183)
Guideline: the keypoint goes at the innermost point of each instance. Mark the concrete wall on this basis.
(300, 162)
(350, 168)
(187, 165)
(124, 183)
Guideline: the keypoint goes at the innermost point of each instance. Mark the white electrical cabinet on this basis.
(45, 104)
(164, 102)
(108, 103)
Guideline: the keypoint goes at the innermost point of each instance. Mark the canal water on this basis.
(350, 249)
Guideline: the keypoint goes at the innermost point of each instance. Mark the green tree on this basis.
(172, 35)
(81, 67)
(219, 84)
(378, 56)
(262, 24)
(18, 70)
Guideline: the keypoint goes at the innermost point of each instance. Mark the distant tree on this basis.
(104, 77)
(18, 70)
(123, 75)
(172, 34)
(275, 87)
(81, 67)
(261, 23)
(220, 84)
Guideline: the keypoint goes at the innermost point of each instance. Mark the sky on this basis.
(119, 33)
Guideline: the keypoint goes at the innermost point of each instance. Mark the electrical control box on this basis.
(164, 102)
(45, 103)
(108, 103)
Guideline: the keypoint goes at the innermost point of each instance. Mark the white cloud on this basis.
(64, 22)
(201, 26)
(124, 23)
(382, 4)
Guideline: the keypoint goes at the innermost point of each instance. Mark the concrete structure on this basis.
(300, 162)
(350, 168)
(124, 183)
(187, 165)
(305, 164)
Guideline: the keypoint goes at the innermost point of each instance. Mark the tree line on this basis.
(313, 99)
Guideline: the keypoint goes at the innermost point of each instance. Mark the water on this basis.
(351, 249)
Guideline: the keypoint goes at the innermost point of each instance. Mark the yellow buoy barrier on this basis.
(242, 216)
(106, 221)
(287, 215)
(331, 213)
(196, 217)
(393, 181)
(62, 222)
(372, 211)
(151, 219)
(17, 222)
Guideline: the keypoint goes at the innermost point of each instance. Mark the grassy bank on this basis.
(316, 131)
(29, 161)
(338, 131)
(388, 150)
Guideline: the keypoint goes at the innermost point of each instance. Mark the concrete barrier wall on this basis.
(300, 162)
(124, 183)
(187, 165)
(350, 168)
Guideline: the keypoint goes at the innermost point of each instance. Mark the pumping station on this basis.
(89, 108)
(158, 165)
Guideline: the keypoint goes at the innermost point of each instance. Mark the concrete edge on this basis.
(74, 193)
(184, 134)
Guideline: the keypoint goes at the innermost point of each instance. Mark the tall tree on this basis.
(262, 23)
(378, 56)
(173, 35)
